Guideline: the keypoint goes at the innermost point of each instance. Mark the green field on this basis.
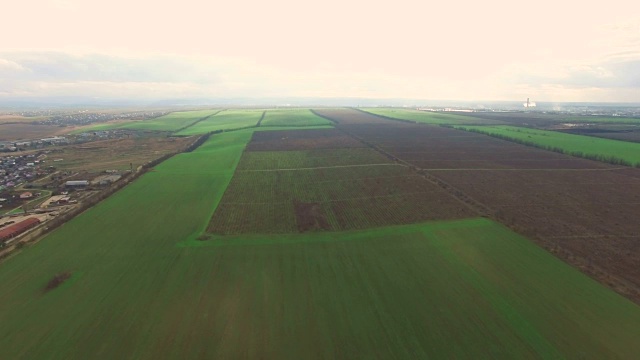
(464, 289)
(170, 122)
(293, 117)
(612, 151)
(142, 286)
(428, 117)
(225, 120)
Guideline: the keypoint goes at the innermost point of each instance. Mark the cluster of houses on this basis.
(15, 170)
(16, 145)
(84, 117)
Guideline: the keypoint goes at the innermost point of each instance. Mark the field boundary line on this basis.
(324, 117)
(199, 120)
(476, 206)
(264, 113)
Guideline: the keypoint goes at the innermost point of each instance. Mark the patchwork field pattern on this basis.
(170, 122)
(224, 120)
(324, 181)
(428, 117)
(579, 145)
(135, 278)
(583, 210)
(292, 117)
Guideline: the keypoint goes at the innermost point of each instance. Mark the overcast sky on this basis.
(473, 50)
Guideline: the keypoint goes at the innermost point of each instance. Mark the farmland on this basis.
(13, 119)
(310, 295)
(546, 120)
(324, 180)
(428, 117)
(116, 154)
(21, 131)
(171, 122)
(361, 240)
(583, 211)
(578, 145)
(225, 120)
(292, 117)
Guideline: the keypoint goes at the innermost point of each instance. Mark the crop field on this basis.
(577, 145)
(302, 140)
(13, 119)
(293, 117)
(582, 210)
(20, 131)
(146, 291)
(224, 120)
(115, 154)
(313, 244)
(428, 117)
(169, 123)
(109, 125)
(338, 185)
(621, 132)
(544, 120)
(329, 199)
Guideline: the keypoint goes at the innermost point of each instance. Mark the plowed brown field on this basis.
(584, 211)
(326, 180)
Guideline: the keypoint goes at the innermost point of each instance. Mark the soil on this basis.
(280, 140)
(26, 131)
(310, 217)
(583, 211)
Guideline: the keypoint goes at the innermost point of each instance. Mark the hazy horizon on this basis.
(494, 51)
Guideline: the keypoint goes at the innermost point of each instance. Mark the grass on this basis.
(170, 122)
(225, 120)
(168, 205)
(611, 151)
(293, 118)
(276, 128)
(428, 117)
(140, 285)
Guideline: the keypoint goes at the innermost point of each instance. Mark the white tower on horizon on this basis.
(529, 104)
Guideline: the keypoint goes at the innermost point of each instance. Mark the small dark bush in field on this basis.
(204, 237)
(57, 281)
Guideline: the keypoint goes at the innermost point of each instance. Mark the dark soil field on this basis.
(519, 118)
(326, 180)
(625, 133)
(26, 131)
(301, 140)
(583, 211)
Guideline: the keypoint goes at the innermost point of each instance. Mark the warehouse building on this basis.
(77, 183)
(17, 229)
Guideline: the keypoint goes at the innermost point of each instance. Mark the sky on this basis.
(455, 50)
